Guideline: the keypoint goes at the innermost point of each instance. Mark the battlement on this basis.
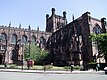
(17, 28)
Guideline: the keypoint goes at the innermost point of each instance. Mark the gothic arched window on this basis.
(14, 38)
(43, 40)
(97, 29)
(33, 41)
(24, 39)
(3, 36)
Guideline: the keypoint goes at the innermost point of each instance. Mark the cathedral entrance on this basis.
(1, 57)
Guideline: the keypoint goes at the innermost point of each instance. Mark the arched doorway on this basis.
(1, 57)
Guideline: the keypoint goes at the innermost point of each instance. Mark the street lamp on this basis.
(17, 44)
(22, 59)
(29, 48)
(21, 45)
(29, 40)
(5, 62)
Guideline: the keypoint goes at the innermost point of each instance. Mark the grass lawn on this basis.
(38, 67)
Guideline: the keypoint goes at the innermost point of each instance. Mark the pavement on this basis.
(52, 72)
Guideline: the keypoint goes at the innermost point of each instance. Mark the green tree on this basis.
(101, 41)
(36, 53)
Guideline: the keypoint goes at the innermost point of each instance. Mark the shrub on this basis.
(77, 67)
(66, 67)
(49, 66)
(92, 65)
(12, 66)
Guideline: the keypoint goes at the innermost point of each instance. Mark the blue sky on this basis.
(33, 12)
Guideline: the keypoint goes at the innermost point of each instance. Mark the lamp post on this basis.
(29, 56)
(29, 48)
(5, 62)
(22, 56)
(29, 40)
(17, 48)
(21, 45)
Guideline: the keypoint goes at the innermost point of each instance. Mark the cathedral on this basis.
(67, 43)
(13, 39)
(70, 42)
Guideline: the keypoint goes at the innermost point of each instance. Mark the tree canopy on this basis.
(36, 53)
(101, 41)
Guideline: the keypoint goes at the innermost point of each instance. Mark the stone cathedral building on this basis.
(68, 43)
(13, 40)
